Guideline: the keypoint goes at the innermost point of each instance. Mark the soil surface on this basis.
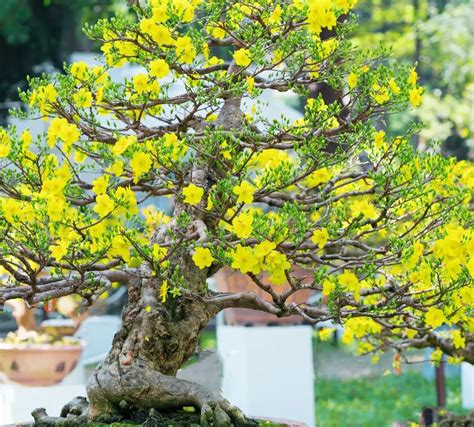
(179, 419)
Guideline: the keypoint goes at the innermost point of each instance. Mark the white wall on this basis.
(268, 371)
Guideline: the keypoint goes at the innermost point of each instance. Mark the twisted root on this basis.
(74, 413)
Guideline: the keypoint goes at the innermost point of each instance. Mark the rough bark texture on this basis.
(153, 343)
(139, 372)
(156, 338)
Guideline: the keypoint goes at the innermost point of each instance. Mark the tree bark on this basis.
(157, 337)
(139, 372)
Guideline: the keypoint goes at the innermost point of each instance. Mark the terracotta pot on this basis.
(229, 280)
(38, 365)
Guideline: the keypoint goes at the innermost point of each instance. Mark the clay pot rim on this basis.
(47, 347)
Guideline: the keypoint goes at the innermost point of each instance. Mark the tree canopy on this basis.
(382, 230)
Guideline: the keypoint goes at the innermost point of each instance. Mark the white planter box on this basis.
(268, 371)
(467, 385)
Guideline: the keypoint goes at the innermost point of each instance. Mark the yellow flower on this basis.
(79, 70)
(54, 129)
(26, 139)
(379, 139)
(380, 94)
(80, 156)
(69, 133)
(276, 263)
(185, 50)
(320, 237)
(242, 225)
(437, 355)
(467, 296)
(365, 208)
(250, 84)
(159, 33)
(326, 333)
(5, 143)
(352, 80)
(348, 280)
(458, 340)
(415, 96)
(117, 168)
(275, 16)
(141, 163)
(328, 287)
(192, 194)
(120, 247)
(127, 196)
(435, 317)
(216, 32)
(263, 249)
(345, 5)
(318, 177)
(245, 192)
(413, 77)
(277, 57)
(59, 251)
(321, 15)
(242, 57)
(243, 259)
(123, 143)
(159, 68)
(392, 84)
(104, 205)
(99, 185)
(159, 252)
(153, 217)
(49, 93)
(83, 98)
(202, 257)
(164, 291)
(140, 82)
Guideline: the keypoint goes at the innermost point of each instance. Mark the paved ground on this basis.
(207, 371)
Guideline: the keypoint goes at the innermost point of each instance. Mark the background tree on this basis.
(35, 32)
(437, 35)
(388, 240)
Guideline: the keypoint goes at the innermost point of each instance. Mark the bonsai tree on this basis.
(383, 231)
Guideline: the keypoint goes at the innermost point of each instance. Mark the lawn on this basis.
(350, 391)
(380, 400)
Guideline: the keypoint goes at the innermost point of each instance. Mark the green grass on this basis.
(378, 401)
(374, 400)
(207, 340)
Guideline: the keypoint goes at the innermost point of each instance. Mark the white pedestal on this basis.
(467, 385)
(268, 371)
(17, 402)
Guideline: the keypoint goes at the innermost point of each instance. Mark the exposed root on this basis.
(74, 413)
(214, 412)
(219, 412)
(120, 390)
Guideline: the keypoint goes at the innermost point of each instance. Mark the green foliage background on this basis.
(439, 36)
(33, 32)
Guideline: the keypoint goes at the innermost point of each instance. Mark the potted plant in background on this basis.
(32, 357)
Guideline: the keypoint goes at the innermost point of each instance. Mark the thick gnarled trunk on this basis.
(156, 338)
(139, 372)
(153, 343)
